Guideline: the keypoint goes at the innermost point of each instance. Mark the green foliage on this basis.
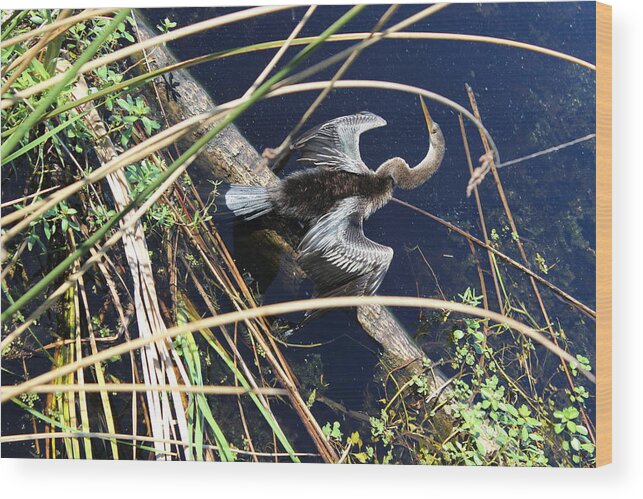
(55, 220)
(494, 420)
(332, 432)
(132, 111)
(141, 175)
(166, 25)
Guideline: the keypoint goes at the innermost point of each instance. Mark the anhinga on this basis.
(335, 197)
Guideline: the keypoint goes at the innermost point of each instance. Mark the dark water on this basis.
(528, 102)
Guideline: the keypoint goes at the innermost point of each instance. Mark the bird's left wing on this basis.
(335, 144)
(337, 255)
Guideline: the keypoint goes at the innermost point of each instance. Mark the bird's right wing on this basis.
(337, 255)
(335, 144)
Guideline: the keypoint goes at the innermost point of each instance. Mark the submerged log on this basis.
(229, 157)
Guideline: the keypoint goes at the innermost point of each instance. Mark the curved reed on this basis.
(285, 308)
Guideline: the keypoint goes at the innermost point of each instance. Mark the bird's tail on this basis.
(248, 201)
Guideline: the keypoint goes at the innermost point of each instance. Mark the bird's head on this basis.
(435, 132)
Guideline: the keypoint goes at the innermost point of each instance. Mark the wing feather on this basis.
(335, 144)
(337, 255)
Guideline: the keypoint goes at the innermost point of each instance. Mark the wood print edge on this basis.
(604, 233)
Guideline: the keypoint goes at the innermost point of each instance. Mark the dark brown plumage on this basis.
(309, 194)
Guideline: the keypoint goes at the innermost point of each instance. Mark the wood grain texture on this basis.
(604, 234)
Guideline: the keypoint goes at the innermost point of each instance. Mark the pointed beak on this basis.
(427, 116)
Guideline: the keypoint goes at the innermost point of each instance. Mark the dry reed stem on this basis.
(126, 437)
(6, 204)
(98, 368)
(142, 387)
(496, 41)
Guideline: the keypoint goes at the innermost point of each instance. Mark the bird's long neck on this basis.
(406, 177)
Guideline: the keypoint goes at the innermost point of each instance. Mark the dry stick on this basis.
(8, 392)
(282, 50)
(566, 296)
(98, 368)
(483, 286)
(523, 254)
(494, 41)
(322, 95)
(483, 224)
(137, 47)
(82, 397)
(244, 423)
(547, 151)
